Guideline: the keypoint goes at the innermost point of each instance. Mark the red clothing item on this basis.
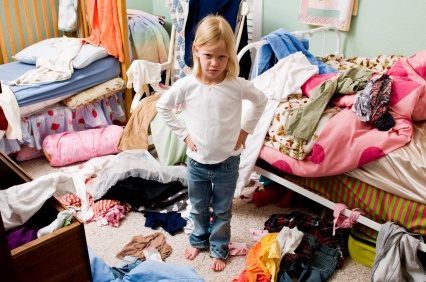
(243, 278)
(254, 272)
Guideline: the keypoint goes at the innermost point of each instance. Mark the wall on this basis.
(381, 26)
(159, 8)
(144, 5)
(154, 7)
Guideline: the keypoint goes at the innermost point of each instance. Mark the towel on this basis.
(140, 73)
(282, 44)
(106, 30)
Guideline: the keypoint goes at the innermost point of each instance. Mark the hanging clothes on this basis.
(229, 9)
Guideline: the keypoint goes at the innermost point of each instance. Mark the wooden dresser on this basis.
(59, 256)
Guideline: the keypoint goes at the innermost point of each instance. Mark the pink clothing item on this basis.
(111, 217)
(237, 249)
(248, 192)
(258, 234)
(105, 211)
(70, 147)
(341, 221)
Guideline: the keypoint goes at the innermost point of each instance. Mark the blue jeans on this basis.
(215, 184)
(319, 268)
(126, 265)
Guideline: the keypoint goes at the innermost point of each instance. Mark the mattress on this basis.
(401, 172)
(95, 73)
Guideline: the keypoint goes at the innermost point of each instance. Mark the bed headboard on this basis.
(23, 25)
(301, 34)
(25, 22)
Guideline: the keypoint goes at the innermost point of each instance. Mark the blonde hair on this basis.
(210, 31)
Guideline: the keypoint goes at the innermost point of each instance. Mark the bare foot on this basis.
(218, 264)
(191, 252)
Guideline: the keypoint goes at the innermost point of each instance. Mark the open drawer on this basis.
(59, 256)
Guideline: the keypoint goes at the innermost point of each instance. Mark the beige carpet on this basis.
(107, 241)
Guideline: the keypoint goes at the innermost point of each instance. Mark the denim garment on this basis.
(154, 271)
(319, 268)
(125, 266)
(213, 183)
(148, 270)
(101, 272)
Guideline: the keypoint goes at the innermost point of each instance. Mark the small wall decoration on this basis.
(328, 12)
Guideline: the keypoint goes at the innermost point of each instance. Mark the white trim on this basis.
(257, 19)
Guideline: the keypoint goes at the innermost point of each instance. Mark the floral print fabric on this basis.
(60, 119)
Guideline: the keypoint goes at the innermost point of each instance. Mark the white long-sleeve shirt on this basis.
(212, 115)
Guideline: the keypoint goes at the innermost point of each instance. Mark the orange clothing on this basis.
(106, 30)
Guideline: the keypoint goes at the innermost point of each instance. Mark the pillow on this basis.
(75, 146)
(87, 55)
(96, 93)
(30, 54)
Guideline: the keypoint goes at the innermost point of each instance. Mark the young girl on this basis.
(211, 99)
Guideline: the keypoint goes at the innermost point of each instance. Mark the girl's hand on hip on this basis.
(241, 140)
(190, 144)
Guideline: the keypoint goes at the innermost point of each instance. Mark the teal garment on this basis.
(170, 149)
(303, 121)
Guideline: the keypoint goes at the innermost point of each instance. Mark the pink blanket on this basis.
(70, 147)
(347, 143)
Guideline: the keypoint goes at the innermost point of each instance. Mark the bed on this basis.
(382, 176)
(98, 70)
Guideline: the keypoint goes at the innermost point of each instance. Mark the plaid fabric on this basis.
(318, 227)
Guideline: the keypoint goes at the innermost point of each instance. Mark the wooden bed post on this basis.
(122, 17)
